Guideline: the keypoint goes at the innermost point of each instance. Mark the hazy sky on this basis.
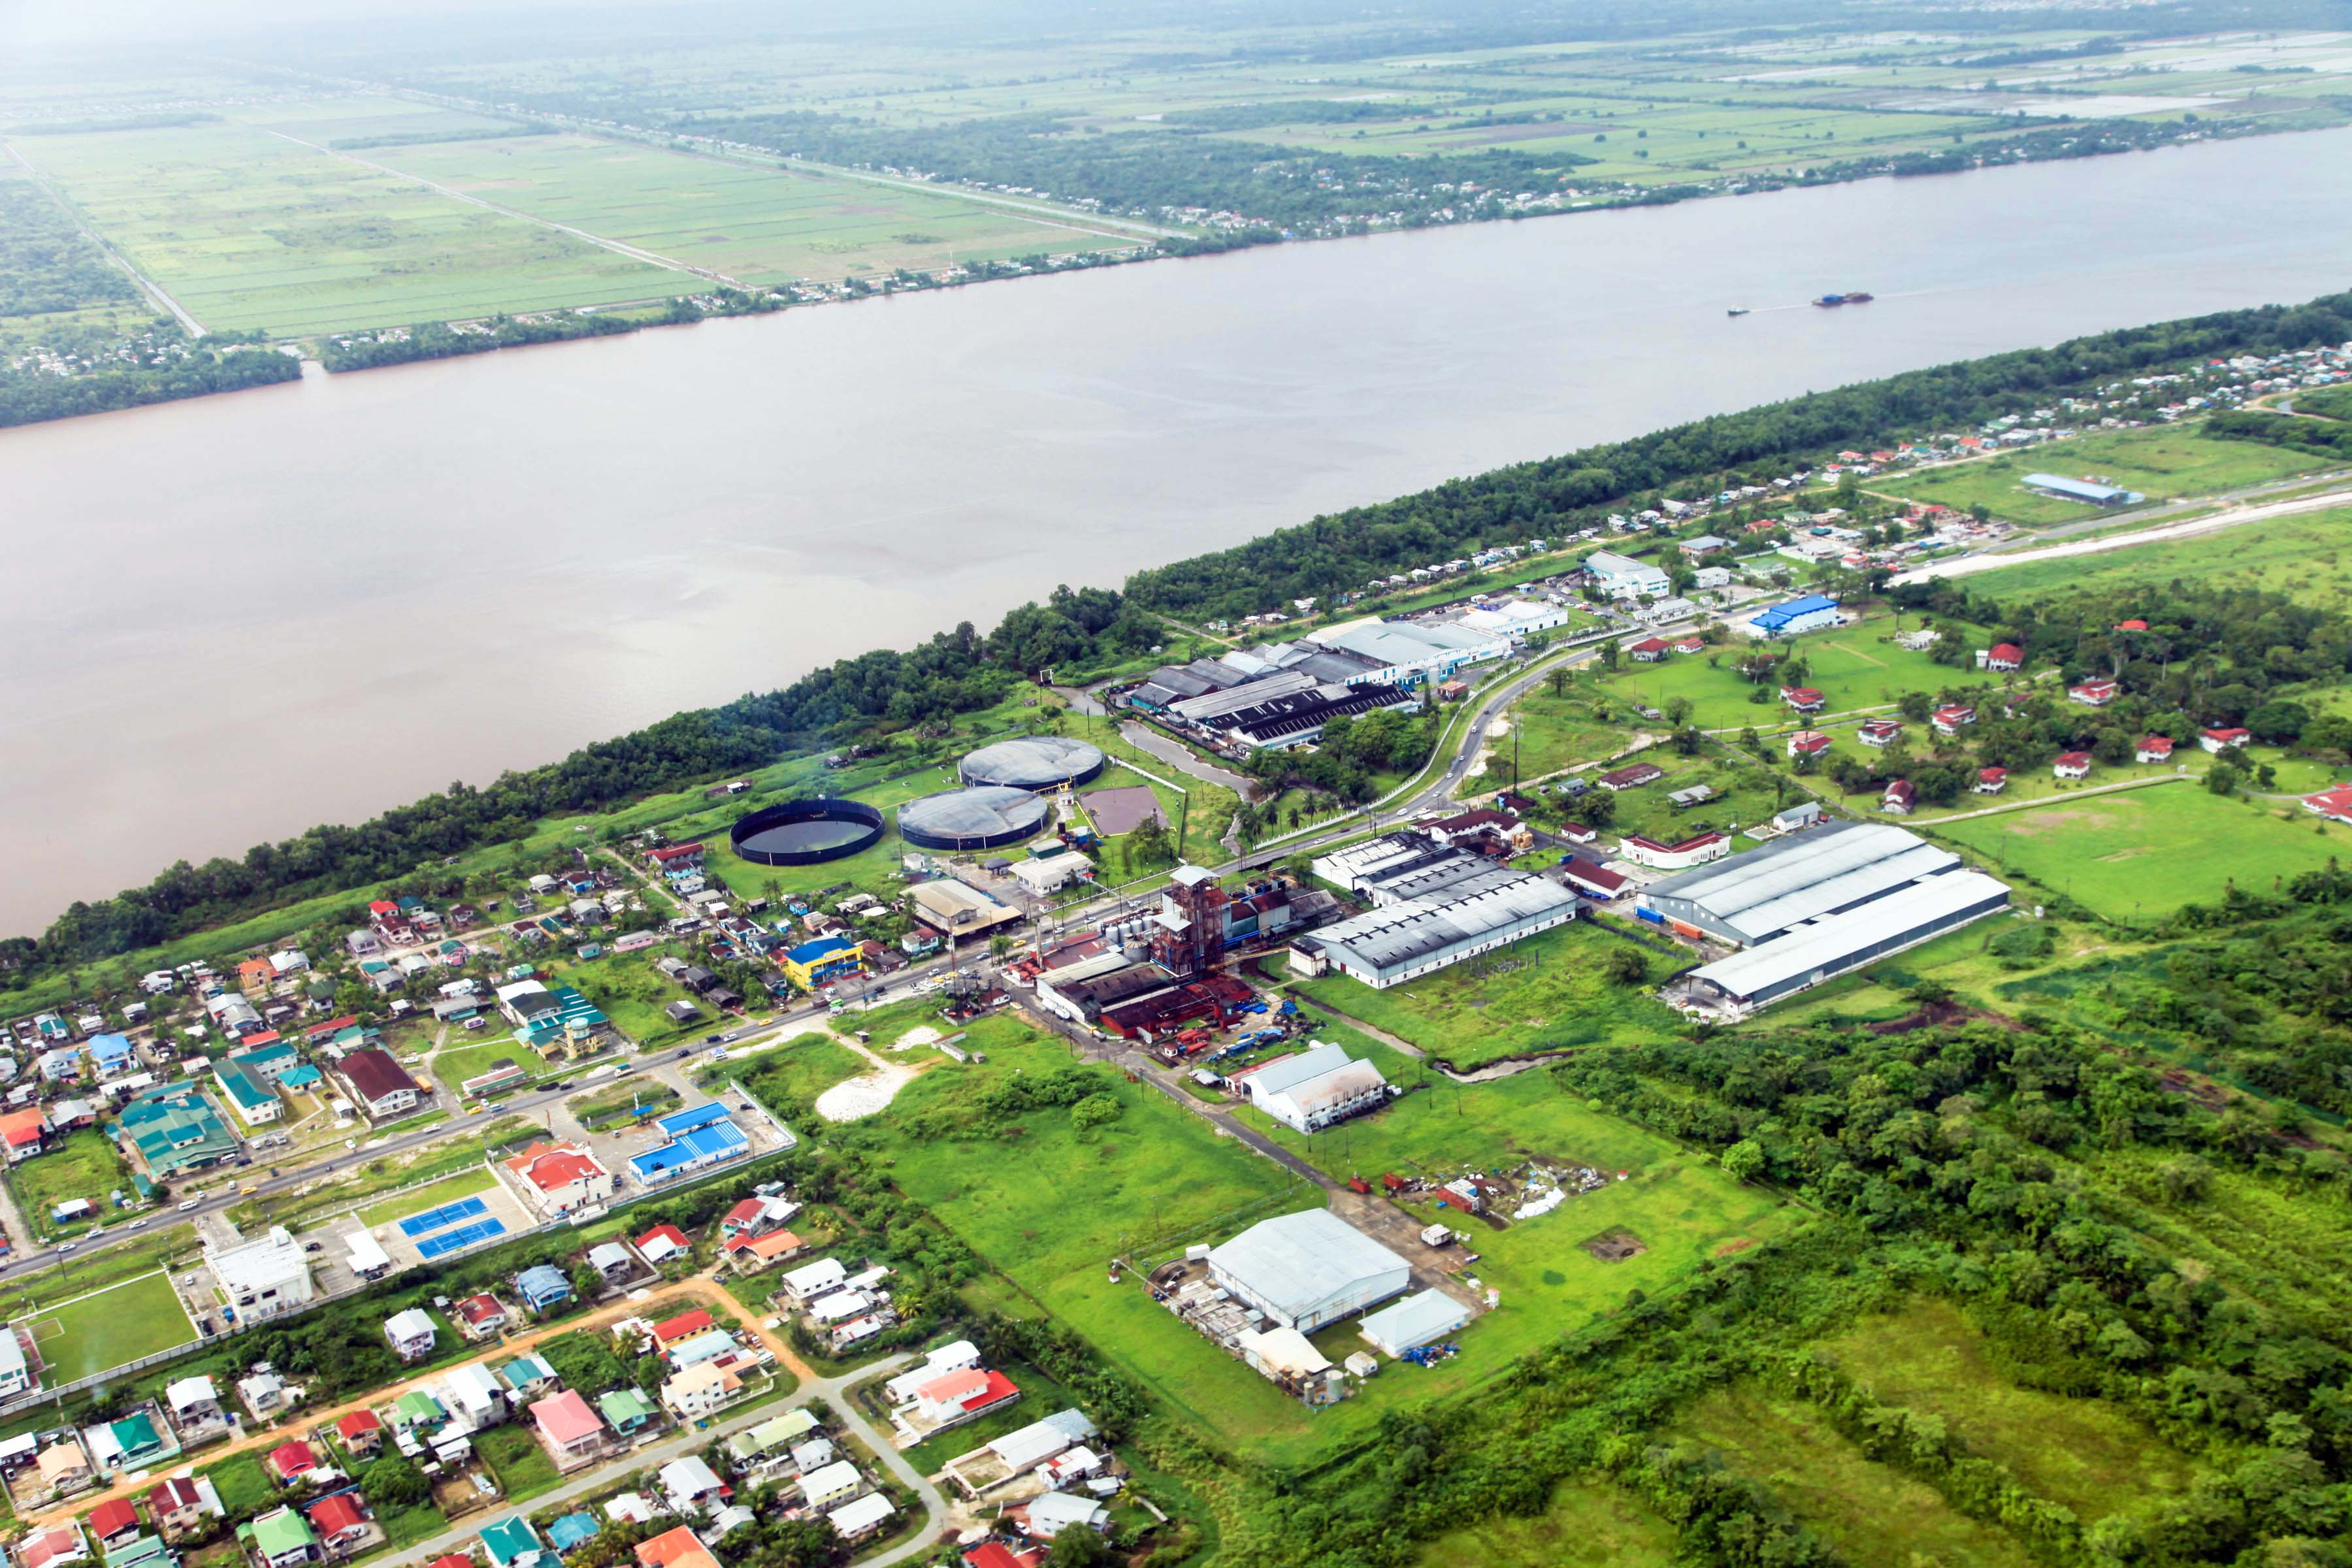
(36, 24)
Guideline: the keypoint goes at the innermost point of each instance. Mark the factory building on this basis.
(1308, 1269)
(1432, 906)
(1811, 613)
(2083, 490)
(1621, 576)
(1762, 895)
(1299, 718)
(1811, 955)
(1316, 1088)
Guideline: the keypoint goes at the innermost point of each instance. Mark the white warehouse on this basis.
(1307, 1269)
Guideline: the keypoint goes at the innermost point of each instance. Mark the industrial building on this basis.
(1299, 718)
(1034, 762)
(1308, 1269)
(1621, 576)
(1432, 906)
(986, 817)
(1319, 1087)
(1811, 613)
(1418, 1320)
(2083, 490)
(1815, 905)
(1409, 652)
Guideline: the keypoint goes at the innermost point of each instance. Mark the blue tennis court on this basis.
(456, 1240)
(446, 1214)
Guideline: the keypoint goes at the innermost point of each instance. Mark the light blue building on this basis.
(1808, 613)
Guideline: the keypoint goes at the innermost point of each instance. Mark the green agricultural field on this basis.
(2164, 463)
(120, 1323)
(464, 1185)
(2083, 1453)
(1544, 994)
(84, 1165)
(2144, 853)
(249, 230)
(1853, 668)
(757, 225)
(2303, 557)
(1586, 1523)
(1866, 1512)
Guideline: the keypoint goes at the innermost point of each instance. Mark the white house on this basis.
(411, 1334)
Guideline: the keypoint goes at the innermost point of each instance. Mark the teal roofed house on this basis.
(281, 1539)
(624, 1410)
(512, 1544)
(136, 1440)
(575, 1022)
(302, 1076)
(527, 1374)
(566, 1532)
(267, 1060)
(173, 1129)
(247, 1093)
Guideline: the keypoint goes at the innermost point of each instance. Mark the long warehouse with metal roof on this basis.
(1809, 955)
(1469, 906)
(1762, 896)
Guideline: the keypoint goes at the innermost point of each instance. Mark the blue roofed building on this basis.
(1808, 613)
(813, 963)
(542, 1286)
(111, 1054)
(696, 1138)
(572, 1530)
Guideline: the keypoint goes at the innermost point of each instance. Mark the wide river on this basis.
(240, 616)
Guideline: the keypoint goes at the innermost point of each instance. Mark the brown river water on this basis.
(234, 617)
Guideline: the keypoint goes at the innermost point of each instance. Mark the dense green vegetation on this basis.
(46, 264)
(438, 339)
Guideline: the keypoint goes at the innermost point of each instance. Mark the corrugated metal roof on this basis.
(1831, 943)
(1294, 1263)
(1737, 891)
(1396, 934)
(1415, 1321)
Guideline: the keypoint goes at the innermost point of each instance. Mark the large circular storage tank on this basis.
(805, 832)
(1033, 762)
(983, 818)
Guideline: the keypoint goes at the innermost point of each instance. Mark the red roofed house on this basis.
(1594, 881)
(756, 1216)
(2131, 625)
(53, 1547)
(677, 1548)
(570, 1429)
(662, 1241)
(1992, 780)
(955, 1397)
(454, 1560)
(362, 1433)
(1952, 720)
(1577, 833)
(2335, 804)
(2218, 741)
(2092, 693)
(1632, 777)
(1690, 645)
(339, 1522)
(21, 1131)
(2154, 749)
(1808, 744)
(2072, 765)
(560, 1177)
(996, 1554)
(1879, 732)
(291, 1461)
(482, 1317)
(176, 1505)
(1673, 857)
(684, 1326)
(1648, 650)
(1899, 798)
(114, 1521)
(2004, 656)
(378, 1083)
(1803, 699)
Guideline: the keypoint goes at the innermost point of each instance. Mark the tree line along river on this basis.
(240, 616)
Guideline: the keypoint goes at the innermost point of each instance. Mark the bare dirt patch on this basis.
(1615, 1246)
(1736, 1244)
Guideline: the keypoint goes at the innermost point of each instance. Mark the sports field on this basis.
(120, 1323)
(2146, 852)
(423, 1200)
(1544, 994)
(2164, 463)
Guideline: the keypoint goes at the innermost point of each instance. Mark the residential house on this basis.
(570, 1429)
(53, 1547)
(1803, 699)
(510, 1543)
(24, 1133)
(2072, 765)
(475, 1394)
(113, 1523)
(194, 1402)
(861, 1517)
(180, 1504)
(703, 1389)
(139, 1439)
(482, 1317)
(560, 1177)
(279, 1539)
(362, 1433)
(1992, 780)
(1050, 1513)
(1899, 798)
(542, 1286)
(750, 1254)
(1677, 857)
(684, 1326)
(290, 1461)
(814, 1455)
(805, 1284)
(411, 1333)
(2153, 748)
(2004, 656)
(378, 1085)
(2094, 693)
(263, 1394)
(1879, 732)
(342, 1525)
(625, 1411)
(689, 1483)
(1632, 776)
(1952, 719)
(1648, 650)
(662, 1243)
(2220, 741)
(417, 1413)
(765, 1443)
(831, 1487)
(678, 1548)
(612, 1262)
(528, 1377)
(757, 1216)
(1808, 744)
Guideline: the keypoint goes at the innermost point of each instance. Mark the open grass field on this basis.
(248, 229)
(1853, 668)
(2145, 852)
(2084, 1453)
(86, 1164)
(448, 1191)
(1548, 733)
(244, 1488)
(1587, 1522)
(1865, 1511)
(2163, 462)
(120, 1324)
(522, 1466)
(1544, 994)
(757, 226)
(455, 1063)
(2303, 557)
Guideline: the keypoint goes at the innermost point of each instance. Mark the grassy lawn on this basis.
(2163, 462)
(2303, 557)
(120, 1323)
(633, 1099)
(1543, 994)
(1553, 732)
(455, 1063)
(514, 1455)
(85, 1165)
(463, 1186)
(1040, 1398)
(2084, 1453)
(812, 1063)
(1865, 1511)
(2146, 852)
(243, 1487)
(1853, 668)
(1586, 1523)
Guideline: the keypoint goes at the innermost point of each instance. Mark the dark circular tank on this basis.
(805, 832)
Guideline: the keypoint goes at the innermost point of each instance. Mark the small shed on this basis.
(1415, 1321)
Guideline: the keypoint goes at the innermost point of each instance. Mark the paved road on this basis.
(2231, 516)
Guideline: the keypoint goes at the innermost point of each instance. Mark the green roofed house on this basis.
(512, 1544)
(130, 1443)
(417, 1408)
(281, 1539)
(571, 1026)
(302, 1076)
(173, 1130)
(529, 1375)
(252, 1098)
(626, 1410)
(771, 1436)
